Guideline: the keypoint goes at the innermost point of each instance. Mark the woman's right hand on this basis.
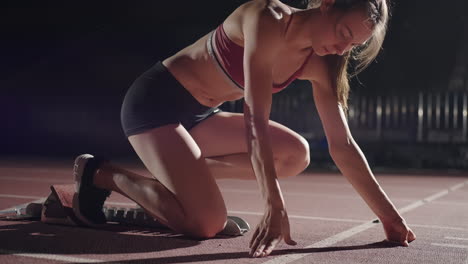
(277, 8)
(273, 227)
(397, 231)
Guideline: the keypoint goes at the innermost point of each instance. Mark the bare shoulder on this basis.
(253, 18)
(257, 12)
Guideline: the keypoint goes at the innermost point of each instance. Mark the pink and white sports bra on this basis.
(229, 57)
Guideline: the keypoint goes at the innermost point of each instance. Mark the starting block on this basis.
(57, 209)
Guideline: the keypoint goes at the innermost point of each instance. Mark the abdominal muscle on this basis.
(196, 70)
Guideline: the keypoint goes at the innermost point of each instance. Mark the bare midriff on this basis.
(197, 72)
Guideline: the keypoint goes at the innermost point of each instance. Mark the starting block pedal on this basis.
(58, 209)
(30, 211)
(235, 226)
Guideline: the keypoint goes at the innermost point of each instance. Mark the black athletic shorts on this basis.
(156, 99)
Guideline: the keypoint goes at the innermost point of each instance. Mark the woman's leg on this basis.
(184, 194)
(222, 141)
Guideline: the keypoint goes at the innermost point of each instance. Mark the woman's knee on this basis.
(302, 152)
(206, 224)
(294, 155)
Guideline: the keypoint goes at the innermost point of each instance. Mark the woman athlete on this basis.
(171, 119)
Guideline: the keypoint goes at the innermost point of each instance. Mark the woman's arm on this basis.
(349, 158)
(262, 34)
(347, 155)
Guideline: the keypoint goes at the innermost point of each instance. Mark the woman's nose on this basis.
(342, 48)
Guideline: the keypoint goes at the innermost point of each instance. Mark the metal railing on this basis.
(424, 117)
(440, 117)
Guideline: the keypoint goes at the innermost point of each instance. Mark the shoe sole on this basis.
(78, 169)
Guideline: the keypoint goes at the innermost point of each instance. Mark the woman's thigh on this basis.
(224, 134)
(174, 158)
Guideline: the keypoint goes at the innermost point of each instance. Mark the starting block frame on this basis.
(57, 209)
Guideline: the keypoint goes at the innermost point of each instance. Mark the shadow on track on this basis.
(37, 237)
(244, 254)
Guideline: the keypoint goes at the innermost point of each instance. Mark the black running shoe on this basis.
(88, 199)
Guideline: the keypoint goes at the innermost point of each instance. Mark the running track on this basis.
(328, 219)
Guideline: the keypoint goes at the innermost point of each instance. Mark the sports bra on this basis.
(229, 57)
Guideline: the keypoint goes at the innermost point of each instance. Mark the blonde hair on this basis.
(379, 14)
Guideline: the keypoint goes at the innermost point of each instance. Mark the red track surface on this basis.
(323, 210)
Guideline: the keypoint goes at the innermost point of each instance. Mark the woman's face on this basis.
(342, 30)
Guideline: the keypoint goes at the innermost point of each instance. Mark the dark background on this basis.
(65, 66)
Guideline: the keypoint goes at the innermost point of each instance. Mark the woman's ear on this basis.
(326, 5)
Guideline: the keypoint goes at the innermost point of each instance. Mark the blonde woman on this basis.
(171, 119)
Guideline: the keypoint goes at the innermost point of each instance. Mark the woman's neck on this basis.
(301, 30)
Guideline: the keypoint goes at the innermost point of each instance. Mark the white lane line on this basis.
(306, 194)
(357, 229)
(285, 193)
(36, 179)
(294, 183)
(440, 227)
(458, 186)
(19, 196)
(255, 192)
(49, 256)
(451, 203)
(457, 238)
(126, 204)
(40, 255)
(323, 243)
(233, 212)
(326, 219)
(122, 204)
(6, 169)
(39, 197)
(301, 217)
(432, 197)
(40, 200)
(450, 245)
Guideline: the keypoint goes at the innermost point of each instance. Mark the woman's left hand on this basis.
(269, 232)
(399, 232)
